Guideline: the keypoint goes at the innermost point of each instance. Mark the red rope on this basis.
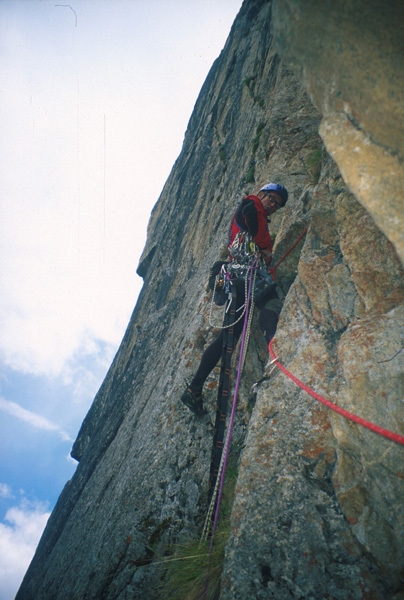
(395, 437)
(273, 269)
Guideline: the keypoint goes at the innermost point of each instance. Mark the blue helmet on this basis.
(276, 187)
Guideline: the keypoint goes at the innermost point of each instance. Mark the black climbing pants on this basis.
(268, 320)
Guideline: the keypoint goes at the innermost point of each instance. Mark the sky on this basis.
(95, 97)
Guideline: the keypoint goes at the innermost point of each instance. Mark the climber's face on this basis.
(271, 201)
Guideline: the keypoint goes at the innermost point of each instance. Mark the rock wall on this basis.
(324, 518)
(349, 55)
(318, 503)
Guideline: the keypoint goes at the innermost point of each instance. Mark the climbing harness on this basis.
(243, 252)
(226, 369)
(225, 277)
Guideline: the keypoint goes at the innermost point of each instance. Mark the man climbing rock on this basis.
(251, 217)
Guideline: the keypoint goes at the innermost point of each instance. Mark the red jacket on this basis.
(251, 216)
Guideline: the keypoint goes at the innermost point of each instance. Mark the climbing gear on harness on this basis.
(218, 489)
(236, 274)
(194, 402)
(217, 283)
(242, 249)
(231, 282)
(276, 187)
(243, 252)
(220, 449)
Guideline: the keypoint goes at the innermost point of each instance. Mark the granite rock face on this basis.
(318, 503)
(349, 55)
(318, 496)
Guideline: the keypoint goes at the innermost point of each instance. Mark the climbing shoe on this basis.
(193, 400)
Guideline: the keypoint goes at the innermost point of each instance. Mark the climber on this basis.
(251, 216)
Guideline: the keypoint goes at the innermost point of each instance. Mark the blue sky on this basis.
(95, 96)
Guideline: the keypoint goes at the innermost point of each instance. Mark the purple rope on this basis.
(231, 420)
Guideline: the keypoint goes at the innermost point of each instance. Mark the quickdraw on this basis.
(242, 249)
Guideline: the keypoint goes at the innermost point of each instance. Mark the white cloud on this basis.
(33, 419)
(86, 368)
(19, 536)
(5, 491)
(91, 137)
